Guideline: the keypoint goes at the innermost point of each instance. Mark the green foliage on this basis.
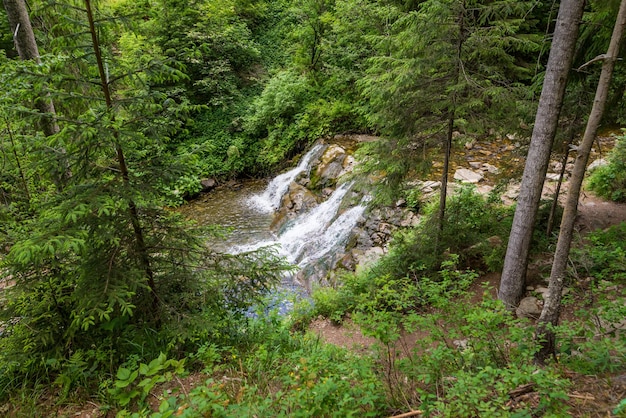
(469, 221)
(468, 359)
(278, 374)
(445, 63)
(609, 181)
(604, 256)
(101, 270)
(136, 384)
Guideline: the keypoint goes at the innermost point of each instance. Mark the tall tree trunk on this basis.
(27, 49)
(26, 46)
(449, 134)
(142, 250)
(551, 308)
(546, 120)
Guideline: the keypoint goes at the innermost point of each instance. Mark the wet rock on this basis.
(327, 191)
(465, 175)
(331, 165)
(299, 199)
(529, 307)
(347, 165)
(208, 184)
(347, 261)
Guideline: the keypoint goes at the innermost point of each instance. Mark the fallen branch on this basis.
(521, 390)
(408, 414)
(583, 397)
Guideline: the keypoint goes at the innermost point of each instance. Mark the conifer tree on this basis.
(102, 263)
(447, 66)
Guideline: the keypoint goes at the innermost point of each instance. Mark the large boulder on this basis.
(331, 166)
(297, 199)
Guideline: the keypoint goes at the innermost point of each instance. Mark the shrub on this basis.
(609, 181)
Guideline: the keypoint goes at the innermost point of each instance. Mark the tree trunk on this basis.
(142, 250)
(451, 119)
(26, 46)
(550, 101)
(551, 308)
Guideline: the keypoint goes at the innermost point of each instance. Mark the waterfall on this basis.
(269, 200)
(317, 232)
(315, 235)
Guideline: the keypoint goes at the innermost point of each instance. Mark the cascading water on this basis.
(312, 235)
(311, 240)
(319, 231)
(269, 200)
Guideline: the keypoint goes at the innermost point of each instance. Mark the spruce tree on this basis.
(102, 263)
(448, 65)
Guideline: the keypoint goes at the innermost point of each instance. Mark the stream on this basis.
(310, 241)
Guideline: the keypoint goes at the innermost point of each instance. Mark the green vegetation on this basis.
(109, 297)
(609, 181)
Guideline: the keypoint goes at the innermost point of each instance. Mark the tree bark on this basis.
(451, 119)
(550, 102)
(551, 308)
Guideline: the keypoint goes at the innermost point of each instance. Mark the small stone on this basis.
(553, 176)
(484, 189)
(208, 184)
(491, 168)
(475, 164)
(461, 345)
(467, 176)
(529, 307)
(542, 291)
(494, 241)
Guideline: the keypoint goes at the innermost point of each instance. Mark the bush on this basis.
(469, 221)
(604, 256)
(609, 181)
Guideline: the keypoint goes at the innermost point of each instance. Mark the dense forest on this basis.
(112, 112)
